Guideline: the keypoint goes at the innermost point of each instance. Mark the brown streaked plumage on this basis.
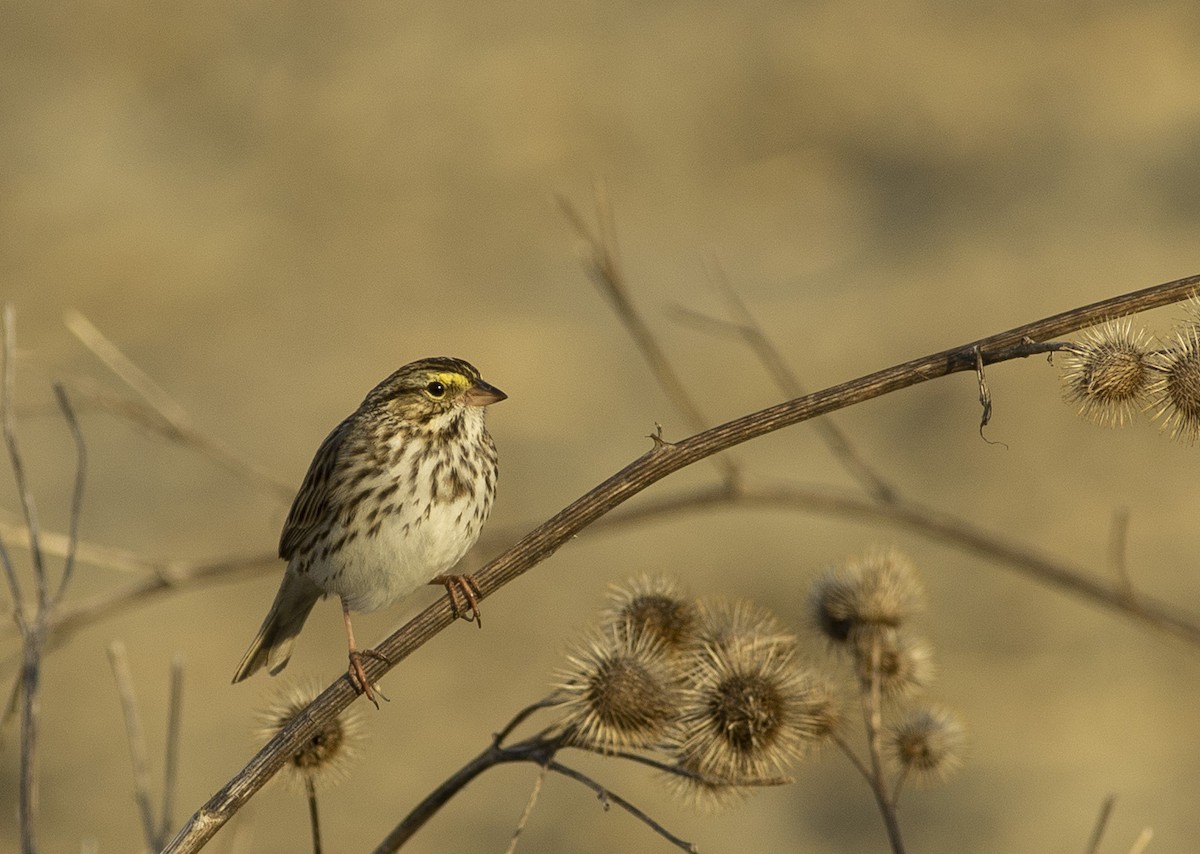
(394, 497)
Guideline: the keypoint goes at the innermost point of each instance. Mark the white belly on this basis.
(370, 573)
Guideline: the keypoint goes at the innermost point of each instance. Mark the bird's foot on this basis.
(464, 596)
(358, 676)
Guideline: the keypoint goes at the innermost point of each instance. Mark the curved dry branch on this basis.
(1111, 593)
(662, 460)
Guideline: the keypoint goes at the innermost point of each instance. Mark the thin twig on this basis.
(170, 577)
(534, 792)
(166, 819)
(653, 466)
(124, 368)
(608, 796)
(32, 627)
(58, 544)
(491, 756)
(839, 444)
(28, 507)
(64, 404)
(1106, 811)
(604, 268)
(956, 531)
(159, 411)
(136, 737)
(1143, 841)
(846, 749)
(872, 704)
(314, 818)
(520, 718)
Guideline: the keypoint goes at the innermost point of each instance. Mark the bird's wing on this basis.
(312, 507)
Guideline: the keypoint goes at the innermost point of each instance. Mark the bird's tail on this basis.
(272, 647)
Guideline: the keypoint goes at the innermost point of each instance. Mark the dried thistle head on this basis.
(879, 590)
(322, 761)
(1108, 373)
(928, 743)
(654, 605)
(747, 713)
(618, 691)
(723, 624)
(1174, 396)
(905, 663)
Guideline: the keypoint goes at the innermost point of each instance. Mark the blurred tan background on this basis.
(271, 206)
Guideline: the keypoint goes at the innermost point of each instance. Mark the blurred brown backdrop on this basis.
(271, 206)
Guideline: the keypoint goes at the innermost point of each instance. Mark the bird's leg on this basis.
(462, 588)
(358, 676)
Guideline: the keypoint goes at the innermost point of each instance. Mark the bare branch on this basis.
(528, 811)
(936, 525)
(64, 403)
(137, 739)
(158, 411)
(124, 368)
(608, 796)
(1106, 811)
(59, 545)
(872, 707)
(28, 507)
(166, 821)
(651, 467)
(32, 626)
(835, 439)
(604, 268)
(1143, 841)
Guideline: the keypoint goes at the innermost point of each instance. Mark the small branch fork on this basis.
(543, 541)
(541, 749)
(34, 622)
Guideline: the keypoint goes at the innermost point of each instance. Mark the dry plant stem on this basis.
(492, 756)
(1143, 841)
(746, 326)
(607, 796)
(604, 267)
(314, 819)
(158, 411)
(936, 525)
(136, 736)
(34, 628)
(170, 579)
(659, 462)
(523, 821)
(872, 701)
(166, 821)
(1106, 811)
(849, 753)
(64, 405)
(540, 749)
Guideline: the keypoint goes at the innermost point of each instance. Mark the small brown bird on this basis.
(394, 497)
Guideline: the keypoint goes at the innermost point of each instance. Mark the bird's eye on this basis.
(435, 389)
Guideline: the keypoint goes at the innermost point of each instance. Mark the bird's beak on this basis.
(482, 394)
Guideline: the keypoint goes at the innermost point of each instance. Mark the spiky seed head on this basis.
(732, 624)
(1174, 396)
(617, 692)
(928, 743)
(824, 709)
(905, 662)
(1108, 373)
(652, 605)
(878, 590)
(748, 712)
(322, 761)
